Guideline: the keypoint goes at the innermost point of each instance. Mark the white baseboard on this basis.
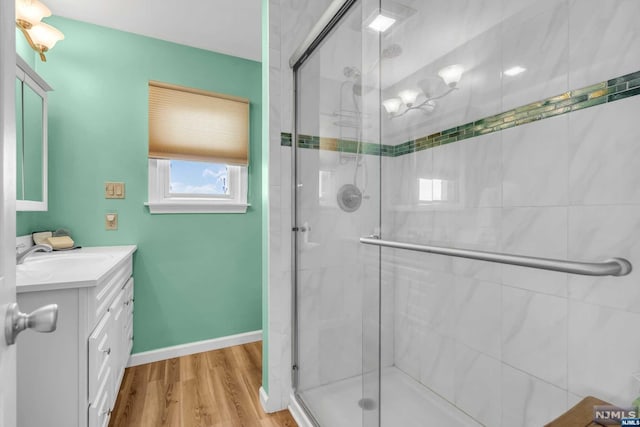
(298, 413)
(264, 401)
(193, 347)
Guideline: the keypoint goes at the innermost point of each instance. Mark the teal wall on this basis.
(24, 50)
(197, 276)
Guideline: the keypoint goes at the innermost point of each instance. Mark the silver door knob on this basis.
(44, 319)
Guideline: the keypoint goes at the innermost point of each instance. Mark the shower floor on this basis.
(406, 403)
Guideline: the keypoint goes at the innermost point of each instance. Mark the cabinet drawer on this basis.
(128, 333)
(128, 291)
(100, 343)
(129, 288)
(100, 409)
(107, 291)
(118, 310)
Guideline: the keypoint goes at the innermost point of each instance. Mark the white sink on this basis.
(78, 267)
(63, 259)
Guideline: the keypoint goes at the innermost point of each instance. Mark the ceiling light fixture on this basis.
(381, 23)
(409, 97)
(451, 74)
(41, 37)
(392, 105)
(514, 71)
(406, 100)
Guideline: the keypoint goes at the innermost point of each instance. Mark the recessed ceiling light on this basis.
(381, 23)
(514, 71)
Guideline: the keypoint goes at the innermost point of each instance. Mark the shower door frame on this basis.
(323, 27)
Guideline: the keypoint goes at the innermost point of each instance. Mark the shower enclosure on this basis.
(466, 211)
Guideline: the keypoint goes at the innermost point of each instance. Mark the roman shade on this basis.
(193, 124)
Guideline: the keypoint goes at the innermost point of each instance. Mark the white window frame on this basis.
(162, 201)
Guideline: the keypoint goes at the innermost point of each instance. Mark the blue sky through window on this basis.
(198, 178)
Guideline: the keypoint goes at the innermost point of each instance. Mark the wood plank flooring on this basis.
(213, 389)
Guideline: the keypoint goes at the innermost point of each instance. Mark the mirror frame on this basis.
(29, 77)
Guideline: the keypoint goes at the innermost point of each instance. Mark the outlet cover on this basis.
(111, 221)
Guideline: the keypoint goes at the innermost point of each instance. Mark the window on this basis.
(178, 186)
(198, 151)
(198, 179)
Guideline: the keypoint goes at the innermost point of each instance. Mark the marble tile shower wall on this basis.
(337, 276)
(611, 90)
(516, 346)
(491, 339)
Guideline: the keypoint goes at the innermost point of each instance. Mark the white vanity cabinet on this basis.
(71, 377)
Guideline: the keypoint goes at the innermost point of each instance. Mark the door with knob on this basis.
(7, 208)
(12, 321)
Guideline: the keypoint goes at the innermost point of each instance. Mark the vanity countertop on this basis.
(78, 268)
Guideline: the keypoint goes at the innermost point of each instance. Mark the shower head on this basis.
(392, 51)
(351, 72)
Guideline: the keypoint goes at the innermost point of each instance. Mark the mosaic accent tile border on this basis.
(599, 93)
(341, 145)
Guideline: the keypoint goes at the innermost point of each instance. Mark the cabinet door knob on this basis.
(43, 319)
(108, 351)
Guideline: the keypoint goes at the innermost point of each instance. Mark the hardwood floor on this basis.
(212, 389)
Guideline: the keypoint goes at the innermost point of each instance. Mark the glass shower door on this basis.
(337, 200)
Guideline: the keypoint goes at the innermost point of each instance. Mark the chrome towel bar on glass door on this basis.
(610, 267)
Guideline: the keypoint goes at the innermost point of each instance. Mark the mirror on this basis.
(33, 147)
(19, 145)
(31, 139)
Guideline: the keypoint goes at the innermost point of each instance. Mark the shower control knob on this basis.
(44, 319)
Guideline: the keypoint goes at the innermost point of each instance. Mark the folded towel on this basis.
(63, 242)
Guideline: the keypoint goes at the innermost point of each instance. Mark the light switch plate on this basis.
(114, 190)
(111, 221)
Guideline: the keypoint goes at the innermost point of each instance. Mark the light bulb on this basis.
(30, 12)
(409, 96)
(451, 74)
(392, 105)
(45, 36)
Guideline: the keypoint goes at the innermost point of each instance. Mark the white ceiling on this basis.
(226, 26)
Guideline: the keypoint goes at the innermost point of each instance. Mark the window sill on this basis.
(183, 207)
